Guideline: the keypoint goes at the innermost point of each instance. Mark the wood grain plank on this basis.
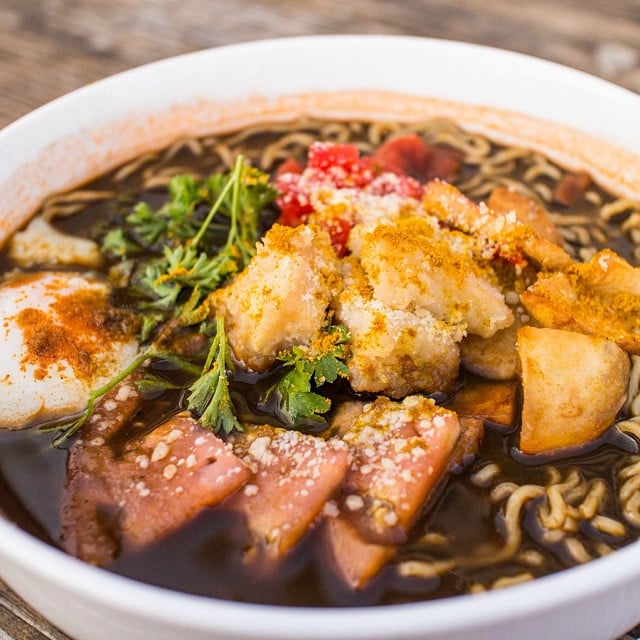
(49, 47)
(19, 622)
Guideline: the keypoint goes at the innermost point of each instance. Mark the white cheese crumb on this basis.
(169, 471)
(511, 298)
(191, 460)
(259, 450)
(354, 502)
(174, 435)
(330, 509)
(160, 452)
(391, 518)
(142, 490)
(123, 393)
(250, 490)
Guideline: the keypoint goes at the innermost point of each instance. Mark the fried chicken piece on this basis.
(601, 298)
(394, 351)
(411, 268)
(528, 211)
(280, 299)
(503, 234)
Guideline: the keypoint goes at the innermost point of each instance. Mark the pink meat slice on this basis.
(88, 509)
(169, 475)
(356, 560)
(400, 452)
(294, 477)
(162, 480)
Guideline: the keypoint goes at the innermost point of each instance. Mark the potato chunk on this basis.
(280, 299)
(495, 358)
(573, 386)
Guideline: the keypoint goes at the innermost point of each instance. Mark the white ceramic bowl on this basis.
(91, 130)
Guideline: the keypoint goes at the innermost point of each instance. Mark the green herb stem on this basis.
(234, 182)
(96, 394)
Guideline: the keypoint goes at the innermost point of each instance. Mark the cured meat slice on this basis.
(400, 452)
(162, 480)
(294, 477)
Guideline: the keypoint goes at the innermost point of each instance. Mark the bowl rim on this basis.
(468, 611)
(238, 619)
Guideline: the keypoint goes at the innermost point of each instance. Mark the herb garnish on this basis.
(175, 286)
(209, 394)
(321, 362)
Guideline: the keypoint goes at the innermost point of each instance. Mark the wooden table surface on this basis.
(49, 47)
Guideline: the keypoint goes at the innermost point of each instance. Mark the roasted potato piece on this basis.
(493, 401)
(281, 298)
(527, 210)
(495, 358)
(573, 387)
(601, 297)
(468, 444)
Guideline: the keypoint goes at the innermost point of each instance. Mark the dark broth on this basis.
(205, 557)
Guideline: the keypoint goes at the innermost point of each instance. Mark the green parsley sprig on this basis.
(209, 395)
(313, 366)
(191, 264)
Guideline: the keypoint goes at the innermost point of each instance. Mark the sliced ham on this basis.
(356, 560)
(89, 510)
(400, 452)
(162, 480)
(294, 477)
(169, 475)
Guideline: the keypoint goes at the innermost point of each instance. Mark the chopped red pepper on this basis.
(407, 155)
(338, 230)
(411, 156)
(340, 166)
